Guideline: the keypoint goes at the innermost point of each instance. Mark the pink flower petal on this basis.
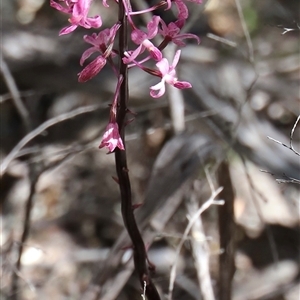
(104, 2)
(176, 59)
(195, 1)
(91, 39)
(182, 85)
(78, 9)
(67, 30)
(94, 22)
(92, 69)
(59, 7)
(152, 27)
(86, 54)
(169, 4)
(183, 12)
(168, 75)
(155, 53)
(163, 66)
(160, 87)
(134, 54)
(138, 36)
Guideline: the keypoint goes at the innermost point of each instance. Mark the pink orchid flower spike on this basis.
(111, 138)
(168, 75)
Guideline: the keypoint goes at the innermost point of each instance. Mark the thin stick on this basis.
(291, 147)
(15, 94)
(292, 134)
(26, 229)
(282, 144)
(246, 31)
(227, 233)
(200, 250)
(222, 40)
(286, 179)
(24, 94)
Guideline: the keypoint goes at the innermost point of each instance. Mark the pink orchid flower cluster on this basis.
(103, 45)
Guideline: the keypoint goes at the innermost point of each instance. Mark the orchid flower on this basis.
(78, 9)
(168, 75)
(102, 43)
(143, 40)
(171, 32)
(111, 137)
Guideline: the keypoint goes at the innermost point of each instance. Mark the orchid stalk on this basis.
(121, 60)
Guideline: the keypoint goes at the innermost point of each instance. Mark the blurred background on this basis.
(243, 92)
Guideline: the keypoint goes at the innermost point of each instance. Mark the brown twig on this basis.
(291, 147)
(286, 179)
(26, 228)
(226, 232)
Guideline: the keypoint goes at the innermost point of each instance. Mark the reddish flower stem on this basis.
(140, 255)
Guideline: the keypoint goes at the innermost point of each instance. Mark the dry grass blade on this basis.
(192, 221)
(201, 253)
(34, 133)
